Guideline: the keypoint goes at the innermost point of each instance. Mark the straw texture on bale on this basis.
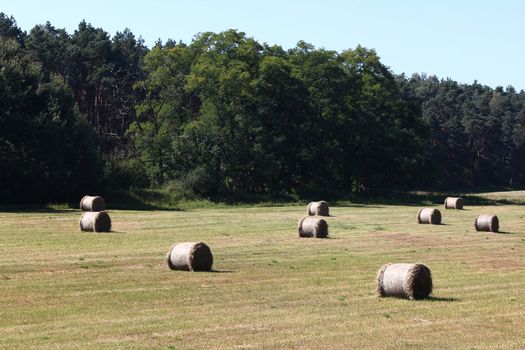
(92, 203)
(312, 227)
(190, 256)
(318, 208)
(487, 223)
(95, 221)
(453, 203)
(429, 216)
(410, 281)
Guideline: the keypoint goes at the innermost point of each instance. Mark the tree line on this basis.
(86, 112)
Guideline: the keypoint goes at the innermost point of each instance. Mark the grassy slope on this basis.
(68, 290)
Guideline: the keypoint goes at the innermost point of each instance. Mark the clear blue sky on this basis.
(463, 39)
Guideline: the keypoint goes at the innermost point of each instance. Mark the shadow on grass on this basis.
(35, 209)
(369, 199)
(221, 271)
(442, 299)
(166, 199)
(141, 200)
(417, 198)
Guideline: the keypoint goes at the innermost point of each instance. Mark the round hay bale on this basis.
(190, 256)
(95, 221)
(318, 208)
(411, 281)
(429, 216)
(453, 203)
(92, 203)
(487, 223)
(312, 227)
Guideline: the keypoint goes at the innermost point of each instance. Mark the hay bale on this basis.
(312, 227)
(487, 223)
(453, 203)
(411, 281)
(429, 216)
(190, 256)
(95, 221)
(92, 203)
(318, 208)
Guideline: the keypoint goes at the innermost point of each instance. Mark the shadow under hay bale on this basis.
(92, 203)
(318, 208)
(486, 223)
(429, 216)
(410, 281)
(453, 203)
(190, 256)
(93, 221)
(312, 227)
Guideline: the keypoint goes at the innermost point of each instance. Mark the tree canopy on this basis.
(226, 114)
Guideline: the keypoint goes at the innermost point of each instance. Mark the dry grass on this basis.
(60, 289)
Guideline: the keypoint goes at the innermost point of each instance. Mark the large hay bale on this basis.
(312, 227)
(487, 223)
(453, 203)
(318, 208)
(190, 256)
(95, 221)
(92, 203)
(411, 281)
(429, 216)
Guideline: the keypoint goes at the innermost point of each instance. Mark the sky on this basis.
(464, 40)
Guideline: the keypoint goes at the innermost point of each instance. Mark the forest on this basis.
(87, 112)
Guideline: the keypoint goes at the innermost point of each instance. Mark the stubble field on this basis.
(62, 289)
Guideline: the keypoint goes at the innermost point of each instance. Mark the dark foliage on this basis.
(225, 114)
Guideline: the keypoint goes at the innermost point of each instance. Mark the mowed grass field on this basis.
(62, 289)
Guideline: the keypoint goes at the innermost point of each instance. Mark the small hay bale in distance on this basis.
(312, 227)
(453, 203)
(318, 208)
(92, 203)
(95, 221)
(410, 281)
(487, 223)
(429, 216)
(190, 256)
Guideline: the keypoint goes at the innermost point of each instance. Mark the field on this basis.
(62, 289)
